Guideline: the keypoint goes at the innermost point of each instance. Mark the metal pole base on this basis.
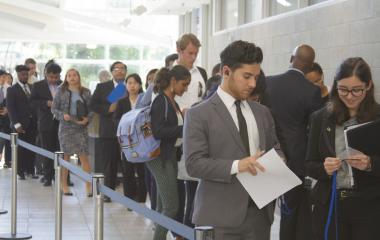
(2, 211)
(15, 236)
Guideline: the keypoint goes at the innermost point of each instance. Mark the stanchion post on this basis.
(204, 233)
(58, 196)
(98, 179)
(14, 234)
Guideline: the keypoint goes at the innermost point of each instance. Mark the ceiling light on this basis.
(284, 3)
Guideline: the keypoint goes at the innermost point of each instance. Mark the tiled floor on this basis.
(35, 214)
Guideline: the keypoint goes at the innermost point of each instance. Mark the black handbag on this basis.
(81, 110)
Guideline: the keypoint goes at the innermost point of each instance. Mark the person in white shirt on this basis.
(187, 48)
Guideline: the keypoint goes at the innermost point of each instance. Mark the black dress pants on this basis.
(358, 219)
(50, 142)
(26, 158)
(191, 188)
(134, 180)
(297, 225)
(110, 157)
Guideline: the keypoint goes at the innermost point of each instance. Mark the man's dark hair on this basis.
(215, 69)
(240, 52)
(2, 72)
(170, 58)
(117, 62)
(53, 68)
(20, 68)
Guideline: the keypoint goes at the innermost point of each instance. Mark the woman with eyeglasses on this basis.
(358, 178)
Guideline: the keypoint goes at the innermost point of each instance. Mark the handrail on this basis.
(172, 225)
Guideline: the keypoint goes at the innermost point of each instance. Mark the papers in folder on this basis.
(269, 185)
(117, 93)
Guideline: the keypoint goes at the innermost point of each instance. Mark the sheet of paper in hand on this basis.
(273, 182)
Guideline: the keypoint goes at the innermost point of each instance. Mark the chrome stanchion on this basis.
(14, 234)
(58, 196)
(204, 233)
(98, 179)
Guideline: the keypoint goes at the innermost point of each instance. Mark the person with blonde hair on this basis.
(71, 107)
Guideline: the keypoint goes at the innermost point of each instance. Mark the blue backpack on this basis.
(136, 137)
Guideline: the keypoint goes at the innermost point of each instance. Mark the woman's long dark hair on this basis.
(164, 76)
(368, 108)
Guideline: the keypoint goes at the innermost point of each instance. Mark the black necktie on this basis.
(242, 127)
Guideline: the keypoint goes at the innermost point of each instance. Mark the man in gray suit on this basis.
(224, 136)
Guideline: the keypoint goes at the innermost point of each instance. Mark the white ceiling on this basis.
(93, 21)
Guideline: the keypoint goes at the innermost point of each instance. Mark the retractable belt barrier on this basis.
(99, 189)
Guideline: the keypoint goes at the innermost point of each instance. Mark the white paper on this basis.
(269, 185)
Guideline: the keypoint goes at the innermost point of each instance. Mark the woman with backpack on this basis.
(167, 123)
(133, 188)
(70, 106)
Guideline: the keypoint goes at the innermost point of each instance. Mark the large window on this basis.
(88, 59)
(282, 6)
(231, 13)
(253, 10)
(83, 51)
(229, 16)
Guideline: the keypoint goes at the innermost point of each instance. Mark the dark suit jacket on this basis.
(123, 106)
(100, 105)
(4, 120)
(39, 97)
(292, 99)
(321, 145)
(166, 130)
(211, 143)
(19, 107)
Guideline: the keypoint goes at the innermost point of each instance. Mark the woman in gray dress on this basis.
(70, 107)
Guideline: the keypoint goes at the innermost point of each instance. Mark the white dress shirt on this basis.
(195, 90)
(253, 132)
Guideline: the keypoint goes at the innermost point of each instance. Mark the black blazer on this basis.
(4, 120)
(292, 98)
(100, 105)
(321, 145)
(39, 96)
(123, 106)
(166, 130)
(19, 107)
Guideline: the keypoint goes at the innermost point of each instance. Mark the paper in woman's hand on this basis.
(349, 154)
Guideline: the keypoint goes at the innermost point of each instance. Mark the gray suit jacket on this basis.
(211, 144)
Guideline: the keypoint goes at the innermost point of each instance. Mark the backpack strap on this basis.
(166, 108)
(203, 73)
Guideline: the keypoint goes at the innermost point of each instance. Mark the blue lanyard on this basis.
(332, 207)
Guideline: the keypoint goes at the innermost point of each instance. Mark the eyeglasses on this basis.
(356, 92)
(119, 69)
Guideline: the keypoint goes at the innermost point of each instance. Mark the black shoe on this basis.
(68, 193)
(70, 184)
(89, 195)
(7, 165)
(42, 180)
(21, 176)
(47, 184)
(106, 199)
(34, 176)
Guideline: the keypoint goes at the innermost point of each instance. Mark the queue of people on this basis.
(212, 129)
